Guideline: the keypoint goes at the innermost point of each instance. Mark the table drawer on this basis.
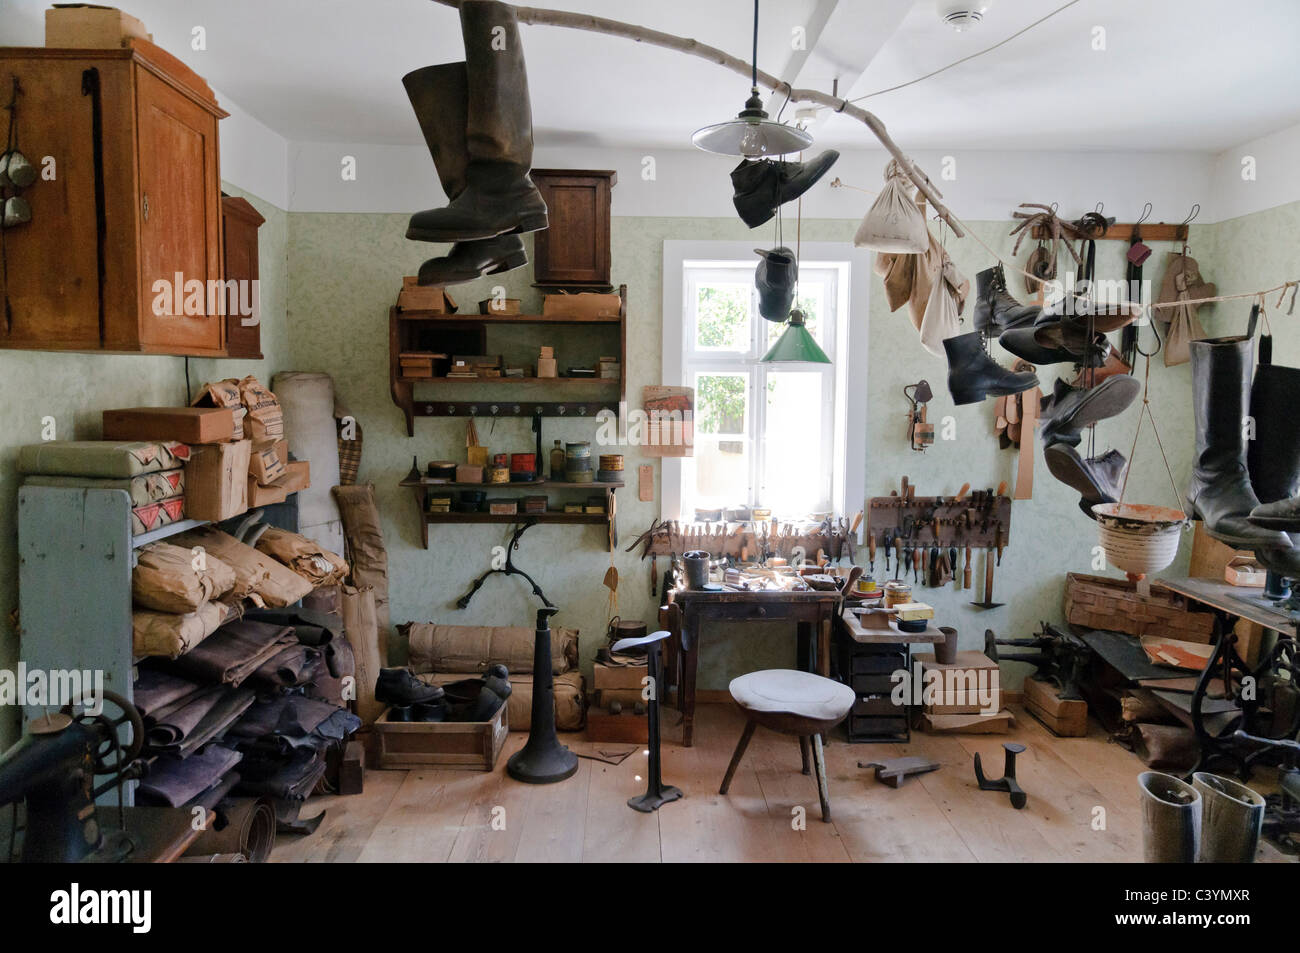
(877, 726)
(883, 663)
(877, 705)
(873, 684)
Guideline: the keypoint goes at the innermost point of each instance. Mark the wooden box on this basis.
(87, 25)
(432, 299)
(1209, 556)
(1245, 571)
(1101, 602)
(239, 225)
(96, 268)
(627, 727)
(190, 425)
(574, 250)
(1065, 717)
(972, 672)
(473, 745)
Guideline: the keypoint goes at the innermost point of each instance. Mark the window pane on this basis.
(722, 446)
(722, 317)
(812, 302)
(796, 461)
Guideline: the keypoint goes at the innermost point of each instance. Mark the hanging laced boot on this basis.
(764, 185)
(973, 375)
(1071, 410)
(995, 308)
(498, 197)
(438, 95)
(1220, 492)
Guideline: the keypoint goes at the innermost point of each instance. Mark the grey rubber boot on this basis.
(1232, 816)
(498, 197)
(438, 96)
(1171, 819)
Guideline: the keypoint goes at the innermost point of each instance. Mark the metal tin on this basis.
(897, 592)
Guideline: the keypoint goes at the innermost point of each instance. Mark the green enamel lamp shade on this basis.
(796, 345)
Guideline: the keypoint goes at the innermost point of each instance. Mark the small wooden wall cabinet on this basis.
(239, 225)
(133, 197)
(573, 252)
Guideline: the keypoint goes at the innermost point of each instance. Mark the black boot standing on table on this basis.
(498, 197)
(440, 99)
(1220, 491)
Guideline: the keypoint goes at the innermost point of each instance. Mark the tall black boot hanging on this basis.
(542, 760)
(657, 794)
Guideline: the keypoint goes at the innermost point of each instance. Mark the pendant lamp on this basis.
(751, 134)
(796, 345)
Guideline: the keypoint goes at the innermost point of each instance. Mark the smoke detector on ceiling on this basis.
(963, 16)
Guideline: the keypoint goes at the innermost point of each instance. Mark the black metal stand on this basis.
(542, 760)
(1007, 784)
(657, 794)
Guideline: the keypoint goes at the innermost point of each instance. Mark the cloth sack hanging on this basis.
(909, 280)
(1182, 282)
(894, 223)
(941, 319)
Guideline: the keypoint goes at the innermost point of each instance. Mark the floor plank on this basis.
(443, 814)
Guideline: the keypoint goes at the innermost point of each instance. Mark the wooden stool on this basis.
(792, 703)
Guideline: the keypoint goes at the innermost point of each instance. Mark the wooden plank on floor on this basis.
(879, 823)
(424, 817)
(349, 822)
(554, 818)
(777, 765)
(493, 821)
(615, 833)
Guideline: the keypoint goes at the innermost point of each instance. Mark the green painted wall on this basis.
(74, 388)
(345, 271)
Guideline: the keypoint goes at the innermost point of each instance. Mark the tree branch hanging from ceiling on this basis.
(594, 24)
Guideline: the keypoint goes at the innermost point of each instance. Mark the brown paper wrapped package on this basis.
(169, 634)
(270, 582)
(304, 556)
(165, 578)
(363, 635)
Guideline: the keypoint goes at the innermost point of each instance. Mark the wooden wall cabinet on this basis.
(143, 206)
(574, 251)
(239, 225)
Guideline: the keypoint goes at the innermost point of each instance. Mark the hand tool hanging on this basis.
(919, 433)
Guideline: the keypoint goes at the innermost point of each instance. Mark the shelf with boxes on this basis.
(578, 344)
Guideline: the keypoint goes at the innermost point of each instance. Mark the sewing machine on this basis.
(53, 769)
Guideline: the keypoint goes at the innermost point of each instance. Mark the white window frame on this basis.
(848, 482)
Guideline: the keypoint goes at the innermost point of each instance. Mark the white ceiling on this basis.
(1196, 75)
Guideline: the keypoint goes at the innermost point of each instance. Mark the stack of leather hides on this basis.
(250, 712)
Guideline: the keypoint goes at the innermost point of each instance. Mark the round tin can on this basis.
(897, 592)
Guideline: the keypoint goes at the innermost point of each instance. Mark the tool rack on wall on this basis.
(504, 396)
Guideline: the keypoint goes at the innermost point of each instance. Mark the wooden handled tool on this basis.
(965, 576)
(961, 494)
(997, 538)
(1002, 488)
(871, 547)
(988, 602)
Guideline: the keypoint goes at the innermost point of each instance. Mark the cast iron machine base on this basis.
(542, 760)
(1007, 783)
(657, 794)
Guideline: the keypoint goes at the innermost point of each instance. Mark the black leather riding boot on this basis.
(1220, 491)
(438, 95)
(1273, 454)
(498, 196)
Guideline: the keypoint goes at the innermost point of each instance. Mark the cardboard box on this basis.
(269, 464)
(624, 728)
(151, 516)
(546, 367)
(192, 425)
(431, 298)
(265, 494)
(617, 677)
(88, 26)
(973, 671)
(469, 473)
(998, 724)
(216, 480)
(1245, 571)
(297, 476)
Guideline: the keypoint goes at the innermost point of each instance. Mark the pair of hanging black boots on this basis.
(1247, 447)
(478, 125)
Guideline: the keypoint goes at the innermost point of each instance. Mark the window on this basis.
(765, 434)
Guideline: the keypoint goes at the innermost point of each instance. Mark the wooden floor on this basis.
(1083, 806)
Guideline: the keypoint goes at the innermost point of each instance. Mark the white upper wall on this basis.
(254, 156)
(1260, 174)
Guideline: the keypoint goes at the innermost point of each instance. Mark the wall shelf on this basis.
(469, 334)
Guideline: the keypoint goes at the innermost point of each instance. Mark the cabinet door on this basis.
(180, 220)
(52, 261)
(239, 225)
(575, 248)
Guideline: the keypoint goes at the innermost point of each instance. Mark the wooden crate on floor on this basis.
(1065, 717)
(1102, 602)
(446, 744)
